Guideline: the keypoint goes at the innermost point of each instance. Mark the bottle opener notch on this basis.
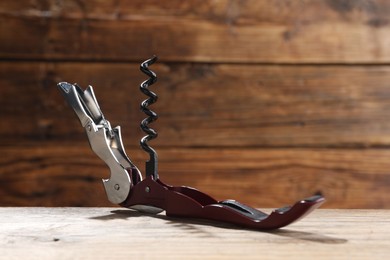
(127, 188)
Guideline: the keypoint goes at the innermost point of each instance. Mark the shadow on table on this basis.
(308, 236)
(190, 225)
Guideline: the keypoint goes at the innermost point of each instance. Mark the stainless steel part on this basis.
(105, 141)
(147, 209)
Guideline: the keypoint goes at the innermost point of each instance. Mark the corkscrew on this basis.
(151, 165)
(127, 188)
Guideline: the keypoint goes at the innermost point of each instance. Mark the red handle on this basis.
(189, 202)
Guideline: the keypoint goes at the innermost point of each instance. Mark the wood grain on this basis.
(249, 31)
(262, 101)
(70, 174)
(206, 105)
(106, 233)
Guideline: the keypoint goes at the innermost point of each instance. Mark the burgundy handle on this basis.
(191, 203)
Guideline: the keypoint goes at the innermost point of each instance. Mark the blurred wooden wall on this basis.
(262, 101)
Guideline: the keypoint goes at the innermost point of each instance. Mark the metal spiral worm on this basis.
(151, 165)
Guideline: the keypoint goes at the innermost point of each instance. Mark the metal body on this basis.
(105, 141)
(126, 187)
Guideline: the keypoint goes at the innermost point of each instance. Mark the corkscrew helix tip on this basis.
(151, 165)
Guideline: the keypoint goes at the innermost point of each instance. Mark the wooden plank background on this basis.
(262, 101)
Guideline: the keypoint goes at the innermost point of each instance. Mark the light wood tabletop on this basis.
(116, 233)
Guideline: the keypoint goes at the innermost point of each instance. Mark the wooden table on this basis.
(111, 233)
